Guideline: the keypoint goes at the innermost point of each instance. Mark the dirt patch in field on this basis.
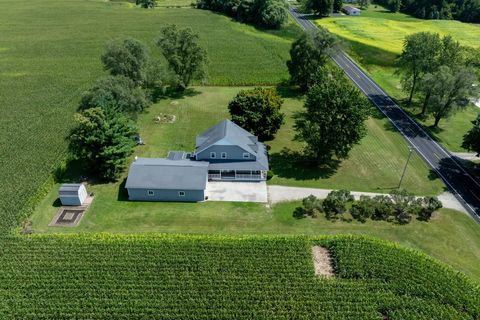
(322, 262)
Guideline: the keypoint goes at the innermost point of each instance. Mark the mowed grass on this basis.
(50, 53)
(375, 40)
(374, 165)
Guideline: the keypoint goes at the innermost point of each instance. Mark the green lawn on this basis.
(374, 165)
(50, 53)
(375, 39)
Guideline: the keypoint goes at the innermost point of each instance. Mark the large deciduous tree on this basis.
(272, 14)
(419, 56)
(334, 119)
(258, 111)
(102, 140)
(450, 89)
(185, 56)
(116, 93)
(319, 7)
(471, 140)
(308, 53)
(337, 5)
(128, 57)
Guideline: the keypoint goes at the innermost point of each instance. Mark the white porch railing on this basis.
(238, 176)
(247, 176)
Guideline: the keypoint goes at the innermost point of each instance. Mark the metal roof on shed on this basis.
(69, 188)
(161, 173)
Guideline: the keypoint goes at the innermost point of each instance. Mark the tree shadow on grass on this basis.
(295, 165)
(72, 171)
(287, 91)
(176, 94)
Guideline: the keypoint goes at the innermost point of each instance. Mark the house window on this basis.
(150, 193)
(181, 193)
(213, 155)
(224, 155)
(246, 155)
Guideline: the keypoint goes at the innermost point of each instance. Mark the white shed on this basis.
(351, 11)
(72, 194)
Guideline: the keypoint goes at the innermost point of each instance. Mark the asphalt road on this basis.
(465, 188)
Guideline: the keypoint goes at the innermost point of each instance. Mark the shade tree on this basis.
(258, 111)
(308, 53)
(115, 93)
(184, 54)
(102, 140)
(334, 117)
(127, 57)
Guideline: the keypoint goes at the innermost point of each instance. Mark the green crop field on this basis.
(198, 277)
(375, 40)
(50, 53)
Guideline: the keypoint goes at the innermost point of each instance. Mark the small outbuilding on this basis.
(72, 194)
(351, 11)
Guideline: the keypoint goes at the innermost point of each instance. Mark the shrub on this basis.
(312, 206)
(258, 111)
(429, 206)
(383, 207)
(363, 209)
(336, 203)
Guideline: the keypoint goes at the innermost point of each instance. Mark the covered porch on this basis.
(244, 175)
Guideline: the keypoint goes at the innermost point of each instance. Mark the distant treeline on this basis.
(269, 14)
(463, 10)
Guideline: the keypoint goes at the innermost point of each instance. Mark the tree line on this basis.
(443, 75)
(105, 128)
(270, 14)
(463, 10)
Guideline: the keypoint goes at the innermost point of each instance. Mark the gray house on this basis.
(224, 152)
(233, 153)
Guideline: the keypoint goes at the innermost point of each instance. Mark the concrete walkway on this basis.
(283, 193)
(237, 191)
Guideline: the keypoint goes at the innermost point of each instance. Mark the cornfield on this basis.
(207, 277)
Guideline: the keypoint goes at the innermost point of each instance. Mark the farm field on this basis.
(452, 237)
(375, 39)
(177, 277)
(50, 53)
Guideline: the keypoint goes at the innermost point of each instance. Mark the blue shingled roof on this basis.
(227, 132)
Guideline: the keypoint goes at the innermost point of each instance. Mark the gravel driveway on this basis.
(283, 193)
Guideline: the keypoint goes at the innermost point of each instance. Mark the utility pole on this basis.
(410, 149)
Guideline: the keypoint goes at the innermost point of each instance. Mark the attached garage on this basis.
(159, 179)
